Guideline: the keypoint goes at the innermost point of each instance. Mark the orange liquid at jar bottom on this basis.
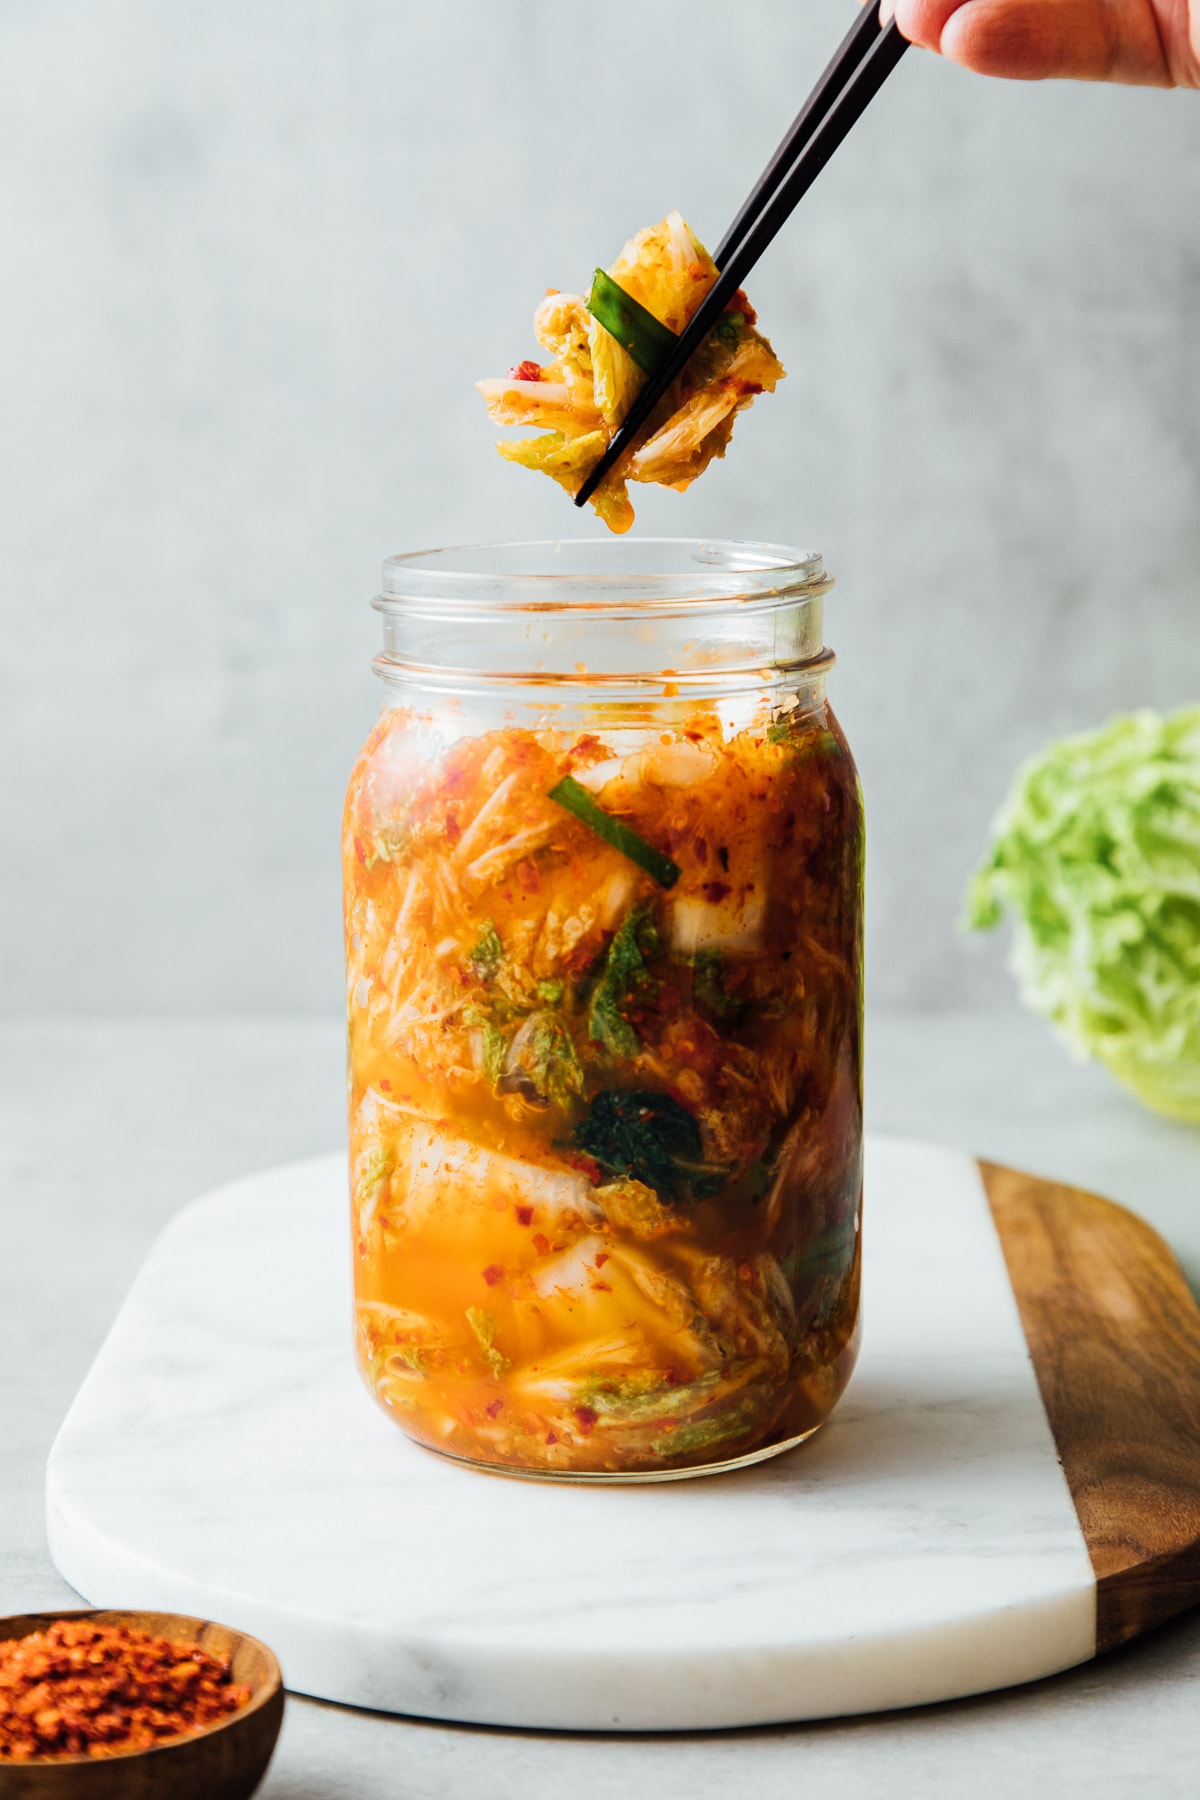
(461, 1420)
(786, 1436)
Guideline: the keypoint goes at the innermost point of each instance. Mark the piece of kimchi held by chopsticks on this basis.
(579, 397)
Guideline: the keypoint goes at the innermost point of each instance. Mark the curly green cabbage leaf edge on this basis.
(1096, 855)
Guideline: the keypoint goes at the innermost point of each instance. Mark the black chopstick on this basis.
(807, 123)
(841, 97)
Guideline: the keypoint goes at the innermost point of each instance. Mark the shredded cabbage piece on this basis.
(579, 398)
(1096, 853)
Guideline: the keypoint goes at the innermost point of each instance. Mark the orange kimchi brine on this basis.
(603, 897)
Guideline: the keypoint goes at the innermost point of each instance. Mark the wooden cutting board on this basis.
(1010, 1486)
(1114, 1335)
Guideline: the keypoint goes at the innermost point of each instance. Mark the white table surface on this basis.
(107, 1126)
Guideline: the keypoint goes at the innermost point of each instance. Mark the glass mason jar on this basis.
(603, 904)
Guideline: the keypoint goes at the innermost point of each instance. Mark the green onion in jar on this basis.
(574, 797)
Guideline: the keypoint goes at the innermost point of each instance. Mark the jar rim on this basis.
(612, 577)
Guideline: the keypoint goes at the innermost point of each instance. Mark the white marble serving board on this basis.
(223, 1459)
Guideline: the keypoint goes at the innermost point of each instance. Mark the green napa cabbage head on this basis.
(1096, 853)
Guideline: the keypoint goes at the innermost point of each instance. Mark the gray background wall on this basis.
(253, 255)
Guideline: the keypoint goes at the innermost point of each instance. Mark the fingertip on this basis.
(923, 22)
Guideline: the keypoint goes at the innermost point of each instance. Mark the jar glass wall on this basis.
(603, 904)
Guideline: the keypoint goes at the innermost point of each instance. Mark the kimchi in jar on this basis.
(603, 905)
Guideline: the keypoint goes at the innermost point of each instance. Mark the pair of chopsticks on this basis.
(863, 62)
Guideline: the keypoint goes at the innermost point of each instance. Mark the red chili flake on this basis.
(700, 846)
(587, 1165)
(385, 1084)
(493, 1273)
(600, 1287)
(529, 877)
(360, 852)
(541, 1244)
(526, 371)
(552, 1437)
(716, 891)
(587, 1416)
(524, 1215)
(494, 1408)
(601, 1259)
(80, 1688)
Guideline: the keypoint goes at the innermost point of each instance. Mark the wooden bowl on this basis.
(223, 1761)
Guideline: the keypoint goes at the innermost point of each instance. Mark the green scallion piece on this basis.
(570, 794)
(646, 338)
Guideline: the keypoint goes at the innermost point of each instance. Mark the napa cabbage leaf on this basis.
(1096, 855)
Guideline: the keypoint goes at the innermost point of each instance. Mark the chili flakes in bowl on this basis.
(83, 1688)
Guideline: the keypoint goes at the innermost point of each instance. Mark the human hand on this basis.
(1149, 43)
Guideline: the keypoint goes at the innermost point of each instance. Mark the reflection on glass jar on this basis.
(603, 899)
